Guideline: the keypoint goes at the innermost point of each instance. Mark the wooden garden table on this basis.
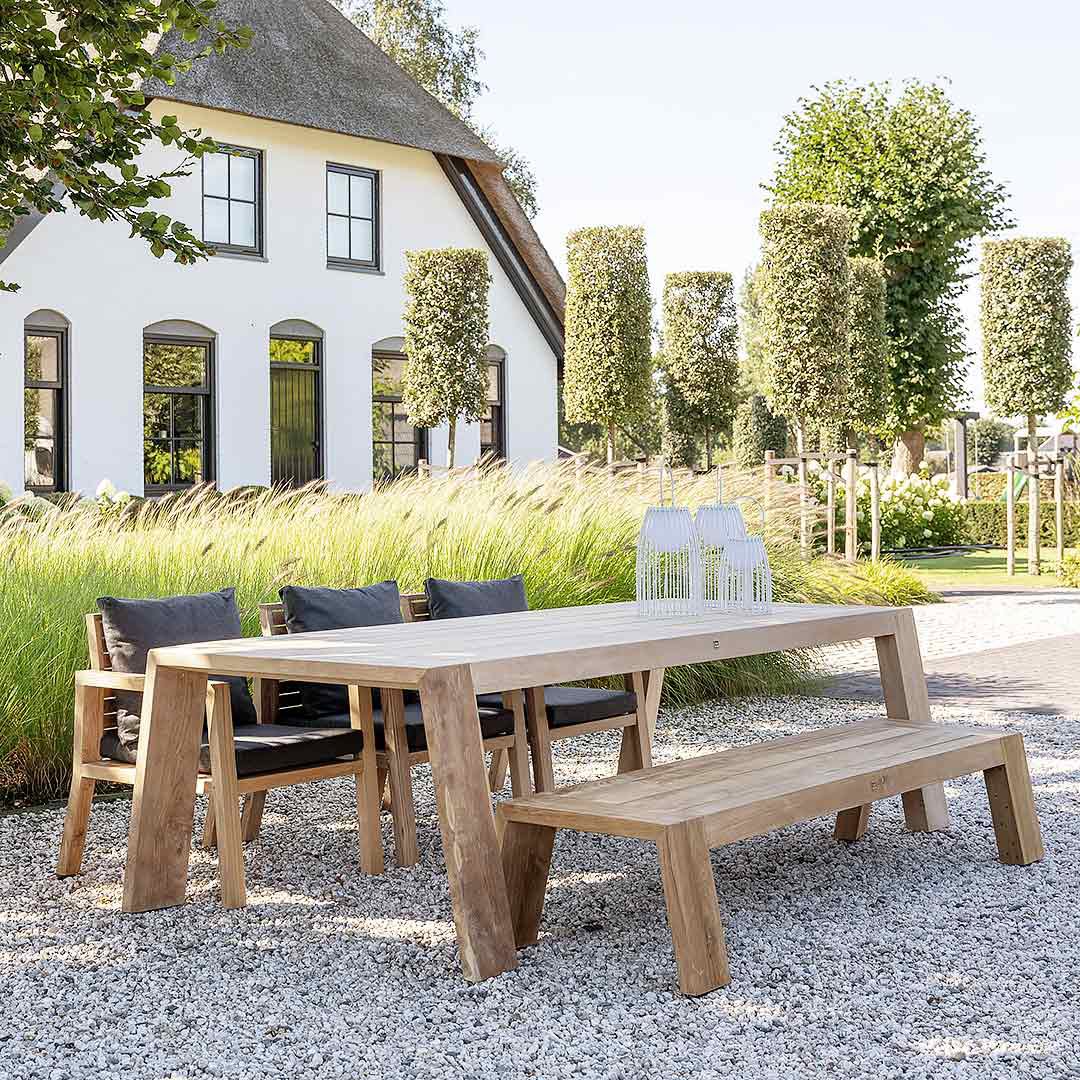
(449, 664)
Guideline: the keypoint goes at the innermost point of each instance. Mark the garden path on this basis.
(1003, 650)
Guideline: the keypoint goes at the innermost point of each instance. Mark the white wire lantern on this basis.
(717, 524)
(668, 560)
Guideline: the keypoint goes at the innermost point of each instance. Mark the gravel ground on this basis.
(901, 956)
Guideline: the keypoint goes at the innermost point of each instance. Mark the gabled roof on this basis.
(307, 64)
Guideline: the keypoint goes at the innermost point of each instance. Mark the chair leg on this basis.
(75, 823)
(497, 771)
(384, 790)
(519, 752)
(526, 860)
(692, 909)
(226, 796)
(539, 740)
(402, 807)
(369, 783)
(253, 815)
(636, 750)
(209, 833)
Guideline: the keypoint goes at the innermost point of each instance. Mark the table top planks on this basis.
(531, 648)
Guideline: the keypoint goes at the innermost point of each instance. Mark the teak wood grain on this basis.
(487, 654)
(687, 807)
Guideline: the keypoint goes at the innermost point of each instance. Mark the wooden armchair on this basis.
(95, 716)
(400, 740)
(561, 712)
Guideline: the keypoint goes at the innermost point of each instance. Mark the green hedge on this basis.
(984, 523)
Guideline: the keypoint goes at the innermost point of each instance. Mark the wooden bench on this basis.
(687, 807)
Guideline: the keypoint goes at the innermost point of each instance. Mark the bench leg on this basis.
(384, 791)
(526, 861)
(1012, 806)
(925, 809)
(497, 770)
(692, 909)
(851, 824)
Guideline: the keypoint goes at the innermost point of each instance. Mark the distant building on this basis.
(279, 359)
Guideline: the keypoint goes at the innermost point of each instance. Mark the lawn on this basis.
(986, 568)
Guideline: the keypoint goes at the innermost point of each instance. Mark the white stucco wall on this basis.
(110, 288)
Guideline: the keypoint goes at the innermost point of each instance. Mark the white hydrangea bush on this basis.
(916, 511)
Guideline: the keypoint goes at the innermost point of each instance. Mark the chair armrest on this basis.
(111, 680)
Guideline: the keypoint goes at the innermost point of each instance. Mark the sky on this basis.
(665, 115)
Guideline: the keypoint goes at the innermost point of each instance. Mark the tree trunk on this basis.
(611, 443)
(708, 448)
(1034, 532)
(450, 442)
(908, 453)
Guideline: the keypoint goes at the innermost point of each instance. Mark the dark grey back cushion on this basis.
(308, 610)
(134, 627)
(459, 599)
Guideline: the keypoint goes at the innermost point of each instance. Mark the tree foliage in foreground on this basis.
(608, 365)
(416, 35)
(912, 167)
(446, 338)
(72, 118)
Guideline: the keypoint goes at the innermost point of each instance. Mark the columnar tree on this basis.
(752, 366)
(701, 350)
(867, 403)
(805, 297)
(1027, 345)
(912, 168)
(72, 118)
(757, 429)
(608, 364)
(446, 338)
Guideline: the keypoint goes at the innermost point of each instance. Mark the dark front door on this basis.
(295, 411)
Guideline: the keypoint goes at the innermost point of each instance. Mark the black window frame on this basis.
(205, 393)
(320, 398)
(374, 264)
(421, 440)
(496, 451)
(62, 417)
(257, 250)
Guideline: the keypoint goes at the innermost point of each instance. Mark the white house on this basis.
(277, 360)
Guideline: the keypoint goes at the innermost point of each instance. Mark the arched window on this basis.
(45, 401)
(178, 370)
(397, 445)
(493, 422)
(296, 360)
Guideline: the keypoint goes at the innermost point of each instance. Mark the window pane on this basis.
(157, 462)
(156, 416)
(383, 460)
(242, 176)
(403, 430)
(404, 456)
(216, 221)
(494, 371)
(216, 174)
(242, 231)
(174, 365)
(361, 240)
(337, 193)
(189, 468)
(487, 434)
(337, 237)
(39, 437)
(285, 351)
(386, 375)
(187, 415)
(361, 196)
(42, 358)
(382, 421)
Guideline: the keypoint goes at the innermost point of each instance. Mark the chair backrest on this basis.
(287, 704)
(100, 661)
(414, 607)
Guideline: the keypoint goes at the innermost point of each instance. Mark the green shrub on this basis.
(573, 537)
(757, 429)
(1069, 571)
(985, 523)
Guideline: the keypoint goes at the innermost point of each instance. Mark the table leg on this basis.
(473, 864)
(904, 684)
(163, 806)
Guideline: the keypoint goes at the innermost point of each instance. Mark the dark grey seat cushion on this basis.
(460, 599)
(264, 748)
(494, 721)
(312, 609)
(568, 705)
(134, 627)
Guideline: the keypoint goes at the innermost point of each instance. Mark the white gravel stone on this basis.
(900, 956)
